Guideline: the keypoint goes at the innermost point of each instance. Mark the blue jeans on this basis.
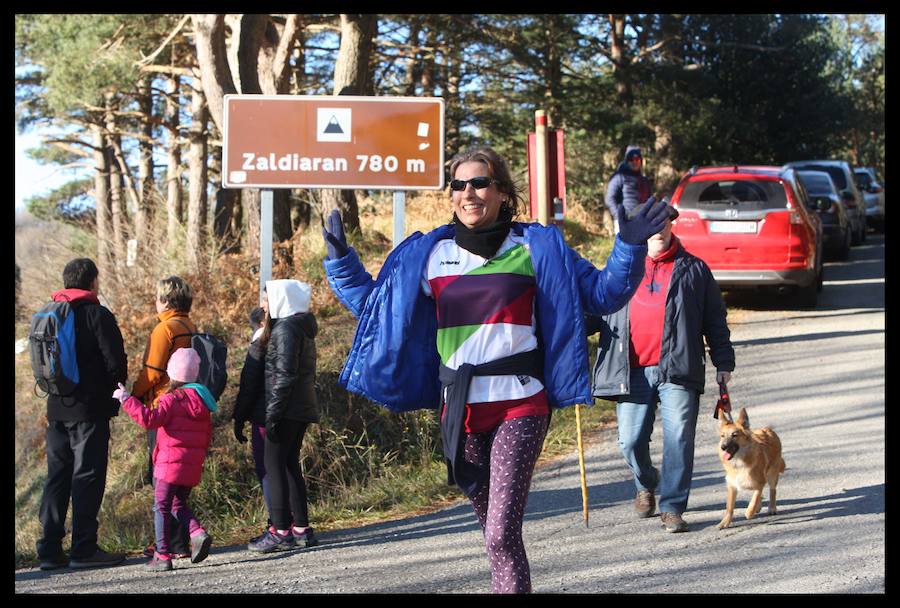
(636, 413)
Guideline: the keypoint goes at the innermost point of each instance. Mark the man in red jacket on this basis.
(651, 351)
(78, 428)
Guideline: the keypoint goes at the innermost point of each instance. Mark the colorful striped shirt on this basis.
(485, 310)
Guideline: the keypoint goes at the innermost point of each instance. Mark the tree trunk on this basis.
(145, 175)
(350, 78)
(251, 200)
(452, 99)
(174, 197)
(619, 59)
(102, 204)
(117, 202)
(222, 220)
(212, 57)
(552, 71)
(197, 178)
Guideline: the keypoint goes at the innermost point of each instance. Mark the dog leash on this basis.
(724, 403)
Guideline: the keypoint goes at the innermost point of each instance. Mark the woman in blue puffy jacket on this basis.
(483, 318)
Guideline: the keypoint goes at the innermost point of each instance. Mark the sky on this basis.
(31, 177)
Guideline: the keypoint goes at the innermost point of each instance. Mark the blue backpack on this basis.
(51, 340)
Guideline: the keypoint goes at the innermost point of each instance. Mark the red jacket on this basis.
(185, 432)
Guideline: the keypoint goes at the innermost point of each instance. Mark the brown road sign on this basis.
(318, 141)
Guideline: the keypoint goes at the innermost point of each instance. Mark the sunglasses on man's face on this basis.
(477, 182)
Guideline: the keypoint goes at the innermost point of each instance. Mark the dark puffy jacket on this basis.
(290, 370)
(694, 309)
(102, 364)
(626, 189)
(251, 398)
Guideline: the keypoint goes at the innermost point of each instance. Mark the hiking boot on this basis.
(308, 537)
(672, 522)
(159, 563)
(200, 545)
(57, 561)
(273, 541)
(100, 559)
(644, 503)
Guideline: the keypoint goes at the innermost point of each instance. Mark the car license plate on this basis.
(733, 227)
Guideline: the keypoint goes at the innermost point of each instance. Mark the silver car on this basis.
(873, 191)
(842, 175)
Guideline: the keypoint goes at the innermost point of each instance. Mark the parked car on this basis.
(873, 193)
(824, 198)
(842, 175)
(752, 226)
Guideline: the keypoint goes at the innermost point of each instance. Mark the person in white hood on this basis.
(288, 341)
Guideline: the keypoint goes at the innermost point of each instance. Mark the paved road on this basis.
(816, 376)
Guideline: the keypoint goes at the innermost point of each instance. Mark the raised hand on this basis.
(649, 220)
(333, 233)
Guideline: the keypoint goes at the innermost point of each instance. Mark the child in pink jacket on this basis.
(184, 425)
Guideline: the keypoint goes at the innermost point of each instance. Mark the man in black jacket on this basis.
(628, 187)
(652, 351)
(78, 428)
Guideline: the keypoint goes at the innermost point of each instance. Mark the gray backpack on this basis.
(213, 354)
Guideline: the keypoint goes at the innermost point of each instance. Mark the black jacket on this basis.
(102, 364)
(694, 309)
(251, 398)
(290, 370)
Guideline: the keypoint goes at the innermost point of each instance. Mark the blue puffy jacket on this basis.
(394, 358)
(626, 189)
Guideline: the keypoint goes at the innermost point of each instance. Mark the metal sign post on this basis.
(265, 238)
(399, 216)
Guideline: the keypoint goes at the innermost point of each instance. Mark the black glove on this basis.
(272, 431)
(239, 431)
(333, 233)
(649, 220)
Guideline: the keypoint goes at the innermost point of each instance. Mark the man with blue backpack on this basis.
(79, 408)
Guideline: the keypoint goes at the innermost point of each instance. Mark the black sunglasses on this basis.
(477, 182)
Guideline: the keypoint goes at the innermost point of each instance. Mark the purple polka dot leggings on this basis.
(511, 451)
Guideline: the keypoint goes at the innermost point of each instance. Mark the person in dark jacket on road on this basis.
(78, 428)
(250, 405)
(652, 351)
(628, 187)
(288, 341)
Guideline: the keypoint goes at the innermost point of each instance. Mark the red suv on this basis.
(753, 226)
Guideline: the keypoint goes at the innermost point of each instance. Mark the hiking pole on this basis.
(584, 492)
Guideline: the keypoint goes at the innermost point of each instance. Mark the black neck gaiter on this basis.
(484, 241)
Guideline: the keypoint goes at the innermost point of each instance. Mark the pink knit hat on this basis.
(184, 365)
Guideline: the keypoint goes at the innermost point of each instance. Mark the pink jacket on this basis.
(183, 438)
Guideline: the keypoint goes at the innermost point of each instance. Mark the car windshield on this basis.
(863, 179)
(741, 194)
(836, 173)
(816, 184)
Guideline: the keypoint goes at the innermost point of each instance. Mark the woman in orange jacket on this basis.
(174, 298)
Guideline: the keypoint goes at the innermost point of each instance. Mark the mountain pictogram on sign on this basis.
(333, 126)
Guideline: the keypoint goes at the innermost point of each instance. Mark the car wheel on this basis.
(862, 232)
(820, 277)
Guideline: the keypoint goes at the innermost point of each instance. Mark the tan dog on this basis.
(751, 459)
